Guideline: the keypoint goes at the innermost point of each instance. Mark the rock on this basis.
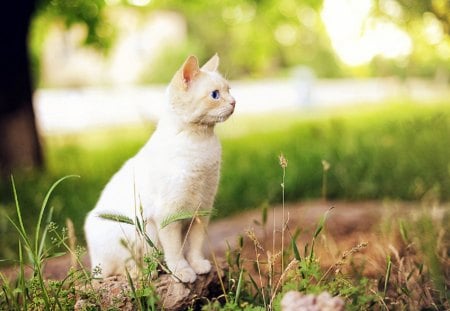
(109, 292)
(296, 301)
(115, 292)
(175, 296)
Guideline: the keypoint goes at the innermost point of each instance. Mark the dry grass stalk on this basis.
(348, 253)
(291, 266)
(72, 239)
(283, 164)
(257, 246)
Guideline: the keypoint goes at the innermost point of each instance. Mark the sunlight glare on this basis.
(356, 39)
(139, 2)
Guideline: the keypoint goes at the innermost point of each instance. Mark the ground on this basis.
(358, 239)
(348, 224)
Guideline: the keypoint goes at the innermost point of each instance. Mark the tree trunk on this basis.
(19, 142)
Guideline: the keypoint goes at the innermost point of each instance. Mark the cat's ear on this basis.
(190, 69)
(212, 64)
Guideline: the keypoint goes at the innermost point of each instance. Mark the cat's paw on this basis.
(185, 275)
(201, 266)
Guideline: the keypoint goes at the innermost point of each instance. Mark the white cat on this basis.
(177, 170)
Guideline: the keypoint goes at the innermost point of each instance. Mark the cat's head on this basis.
(200, 95)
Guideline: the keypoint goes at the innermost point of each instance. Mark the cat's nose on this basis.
(233, 103)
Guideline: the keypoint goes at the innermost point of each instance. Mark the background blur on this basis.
(141, 41)
(355, 93)
(302, 53)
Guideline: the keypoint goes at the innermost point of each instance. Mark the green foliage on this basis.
(35, 251)
(428, 25)
(151, 262)
(35, 293)
(87, 12)
(423, 240)
(394, 152)
(184, 215)
(170, 60)
(429, 236)
(281, 34)
(94, 157)
(144, 297)
(99, 33)
(414, 10)
(117, 218)
(278, 34)
(303, 274)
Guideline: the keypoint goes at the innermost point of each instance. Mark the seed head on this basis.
(326, 165)
(283, 161)
(251, 234)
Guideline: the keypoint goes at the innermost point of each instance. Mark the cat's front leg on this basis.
(194, 253)
(171, 242)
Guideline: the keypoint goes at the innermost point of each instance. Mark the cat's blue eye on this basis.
(215, 94)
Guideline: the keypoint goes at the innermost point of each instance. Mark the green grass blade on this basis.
(295, 250)
(238, 260)
(305, 250)
(183, 215)
(117, 218)
(294, 244)
(149, 241)
(21, 227)
(33, 252)
(321, 224)
(21, 280)
(44, 233)
(319, 229)
(403, 232)
(22, 234)
(239, 286)
(311, 252)
(41, 212)
(265, 209)
(387, 276)
(138, 225)
(258, 291)
(8, 293)
(133, 290)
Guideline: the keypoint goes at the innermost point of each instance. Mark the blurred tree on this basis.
(86, 12)
(19, 143)
(258, 37)
(406, 12)
(427, 23)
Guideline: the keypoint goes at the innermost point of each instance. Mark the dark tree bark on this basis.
(19, 141)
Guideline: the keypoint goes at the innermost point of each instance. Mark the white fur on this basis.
(176, 170)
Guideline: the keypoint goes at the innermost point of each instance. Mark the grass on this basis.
(35, 293)
(410, 258)
(396, 151)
